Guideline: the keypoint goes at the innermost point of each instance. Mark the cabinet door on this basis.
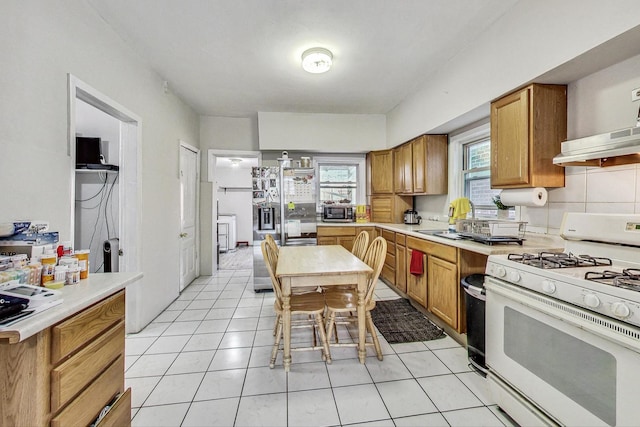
(419, 158)
(417, 285)
(402, 169)
(346, 241)
(510, 140)
(381, 172)
(327, 241)
(401, 268)
(443, 290)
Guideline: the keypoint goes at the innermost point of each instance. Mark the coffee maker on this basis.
(411, 217)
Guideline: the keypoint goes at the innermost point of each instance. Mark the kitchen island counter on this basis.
(76, 298)
(65, 365)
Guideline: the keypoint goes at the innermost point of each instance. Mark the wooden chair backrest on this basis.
(360, 245)
(271, 242)
(271, 260)
(374, 258)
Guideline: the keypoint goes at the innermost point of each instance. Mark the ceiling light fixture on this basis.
(235, 162)
(317, 60)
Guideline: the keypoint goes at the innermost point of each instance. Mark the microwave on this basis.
(336, 213)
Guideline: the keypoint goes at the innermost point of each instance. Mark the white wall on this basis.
(325, 133)
(531, 39)
(40, 43)
(598, 103)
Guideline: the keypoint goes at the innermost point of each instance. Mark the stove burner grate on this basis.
(628, 279)
(559, 260)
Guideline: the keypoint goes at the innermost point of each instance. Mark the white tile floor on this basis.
(205, 362)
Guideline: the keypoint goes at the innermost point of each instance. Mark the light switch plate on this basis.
(635, 94)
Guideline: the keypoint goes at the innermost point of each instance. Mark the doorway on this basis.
(230, 174)
(123, 151)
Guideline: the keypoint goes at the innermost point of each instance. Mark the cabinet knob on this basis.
(183, 234)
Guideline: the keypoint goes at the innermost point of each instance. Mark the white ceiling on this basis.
(238, 57)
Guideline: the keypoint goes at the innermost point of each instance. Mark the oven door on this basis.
(578, 367)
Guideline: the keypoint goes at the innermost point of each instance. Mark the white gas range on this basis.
(563, 330)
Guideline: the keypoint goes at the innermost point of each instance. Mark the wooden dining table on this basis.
(325, 265)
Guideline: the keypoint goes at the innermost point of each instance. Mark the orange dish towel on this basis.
(416, 268)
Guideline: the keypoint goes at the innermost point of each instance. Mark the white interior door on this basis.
(189, 163)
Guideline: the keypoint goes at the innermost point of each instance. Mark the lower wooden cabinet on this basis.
(443, 290)
(438, 288)
(417, 284)
(66, 374)
(342, 235)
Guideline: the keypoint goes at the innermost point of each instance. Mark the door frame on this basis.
(212, 156)
(130, 173)
(197, 219)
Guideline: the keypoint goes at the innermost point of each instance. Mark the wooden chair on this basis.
(310, 306)
(359, 249)
(345, 302)
(361, 244)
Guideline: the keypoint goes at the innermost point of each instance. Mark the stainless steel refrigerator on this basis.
(266, 218)
(298, 207)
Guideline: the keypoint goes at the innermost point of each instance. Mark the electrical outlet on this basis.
(635, 94)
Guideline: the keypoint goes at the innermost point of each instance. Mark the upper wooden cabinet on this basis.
(381, 171)
(403, 169)
(420, 166)
(527, 128)
(429, 157)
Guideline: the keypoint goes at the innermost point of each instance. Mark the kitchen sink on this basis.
(442, 233)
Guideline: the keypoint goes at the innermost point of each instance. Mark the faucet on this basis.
(473, 210)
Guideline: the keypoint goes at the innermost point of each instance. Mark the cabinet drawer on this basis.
(390, 236)
(120, 413)
(336, 231)
(74, 374)
(71, 334)
(87, 406)
(445, 252)
(327, 241)
(401, 239)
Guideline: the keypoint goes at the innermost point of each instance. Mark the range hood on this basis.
(608, 149)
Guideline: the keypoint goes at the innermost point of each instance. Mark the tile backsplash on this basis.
(587, 189)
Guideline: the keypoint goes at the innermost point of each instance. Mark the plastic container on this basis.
(60, 273)
(73, 276)
(54, 285)
(35, 273)
(19, 260)
(69, 261)
(83, 262)
(48, 261)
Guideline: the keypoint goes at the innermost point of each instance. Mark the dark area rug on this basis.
(398, 321)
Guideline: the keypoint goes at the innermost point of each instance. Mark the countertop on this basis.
(76, 298)
(533, 242)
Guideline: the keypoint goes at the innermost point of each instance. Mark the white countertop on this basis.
(76, 298)
(533, 242)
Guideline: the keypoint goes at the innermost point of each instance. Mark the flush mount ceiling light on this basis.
(235, 162)
(317, 60)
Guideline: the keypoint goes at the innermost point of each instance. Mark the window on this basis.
(338, 183)
(476, 176)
